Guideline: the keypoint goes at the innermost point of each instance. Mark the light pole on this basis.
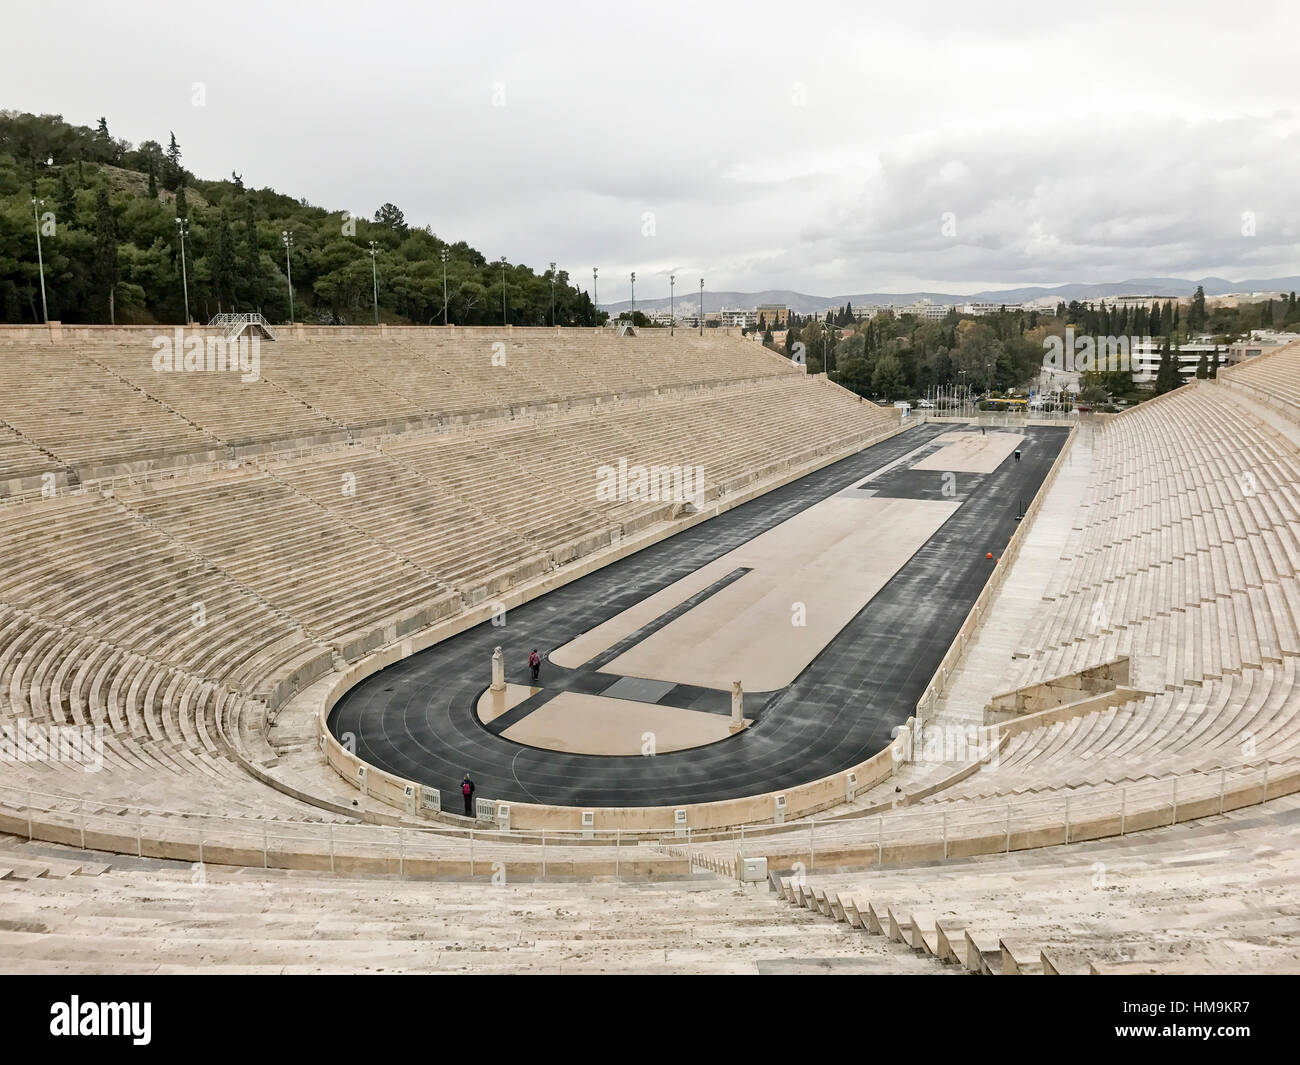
(701, 306)
(181, 225)
(672, 318)
(552, 295)
(503, 291)
(633, 312)
(444, 286)
(374, 279)
(40, 257)
(594, 301)
(287, 239)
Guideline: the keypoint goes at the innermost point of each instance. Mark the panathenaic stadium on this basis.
(818, 687)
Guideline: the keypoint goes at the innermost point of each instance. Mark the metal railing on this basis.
(929, 832)
(234, 324)
(921, 832)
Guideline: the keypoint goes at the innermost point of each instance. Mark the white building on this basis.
(739, 318)
(979, 308)
(1145, 355)
(1260, 342)
(926, 310)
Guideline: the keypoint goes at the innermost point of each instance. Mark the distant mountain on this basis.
(688, 301)
(802, 303)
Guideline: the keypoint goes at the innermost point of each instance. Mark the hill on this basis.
(802, 303)
(112, 249)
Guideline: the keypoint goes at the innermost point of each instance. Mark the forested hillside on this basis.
(108, 211)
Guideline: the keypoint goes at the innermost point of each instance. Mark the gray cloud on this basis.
(813, 147)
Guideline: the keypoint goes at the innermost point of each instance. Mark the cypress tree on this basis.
(1167, 376)
(67, 200)
(1196, 315)
(252, 264)
(172, 175)
(225, 269)
(106, 260)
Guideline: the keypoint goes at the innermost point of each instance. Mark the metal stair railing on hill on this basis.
(236, 324)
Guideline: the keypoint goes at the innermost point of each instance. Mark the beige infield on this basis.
(491, 704)
(971, 452)
(596, 724)
(808, 577)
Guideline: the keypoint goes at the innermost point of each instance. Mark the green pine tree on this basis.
(887, 378)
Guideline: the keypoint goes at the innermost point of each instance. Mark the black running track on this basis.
(416, 718)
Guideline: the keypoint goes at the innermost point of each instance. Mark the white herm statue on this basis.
(498, 671)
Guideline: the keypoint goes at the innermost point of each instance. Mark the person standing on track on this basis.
(535, 664)
(467, 793)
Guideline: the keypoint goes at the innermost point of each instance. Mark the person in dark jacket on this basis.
(467, 793)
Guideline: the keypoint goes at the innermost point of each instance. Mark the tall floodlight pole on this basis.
(374, 279)
(594, 302)
(503, 290)
(633, 312)
(444, 286)
(287, 239)
(672, 318)
(40, 257)
(182, 224)
(552, 295)
(701, 306)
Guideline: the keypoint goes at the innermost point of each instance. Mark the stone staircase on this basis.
(1214, 896)
(66, 915)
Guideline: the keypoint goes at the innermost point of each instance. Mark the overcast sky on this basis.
(810, 146)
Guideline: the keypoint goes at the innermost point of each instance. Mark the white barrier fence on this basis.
(932, 831)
